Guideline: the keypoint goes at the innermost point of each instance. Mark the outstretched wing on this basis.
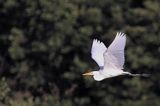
(114, 55)
(97, 51)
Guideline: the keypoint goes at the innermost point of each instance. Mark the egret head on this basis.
(96, 75)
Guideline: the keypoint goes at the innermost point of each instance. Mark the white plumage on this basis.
(111, 59)
(97, 51)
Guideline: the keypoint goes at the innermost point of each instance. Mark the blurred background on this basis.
(45, 47)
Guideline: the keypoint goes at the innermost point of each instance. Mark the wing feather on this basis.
(114, 55)
(97, 51)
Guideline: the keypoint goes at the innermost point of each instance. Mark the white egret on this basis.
(110, 60)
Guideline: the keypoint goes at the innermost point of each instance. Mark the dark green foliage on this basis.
(45, 47)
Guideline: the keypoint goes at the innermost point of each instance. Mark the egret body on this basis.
(110, 60)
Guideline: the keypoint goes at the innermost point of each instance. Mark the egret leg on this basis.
(144, 75)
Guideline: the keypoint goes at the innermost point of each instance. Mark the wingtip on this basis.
(121, 34)
(96, 40)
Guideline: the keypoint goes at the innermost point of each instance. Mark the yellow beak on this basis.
(88, 73)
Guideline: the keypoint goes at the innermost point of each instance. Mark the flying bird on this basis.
(110, 60)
